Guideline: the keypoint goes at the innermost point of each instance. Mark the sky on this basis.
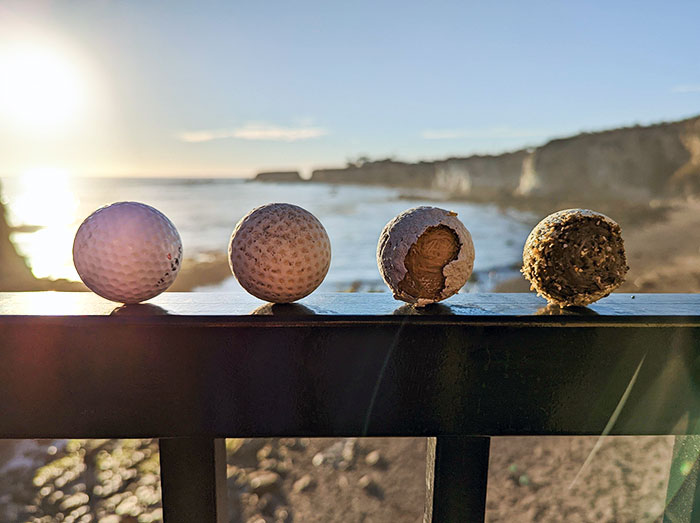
(156, 88)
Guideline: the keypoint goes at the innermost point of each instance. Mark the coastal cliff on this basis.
(278, 176)
(631, 164)
(383, 172)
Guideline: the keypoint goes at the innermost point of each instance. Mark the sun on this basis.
(42, 90)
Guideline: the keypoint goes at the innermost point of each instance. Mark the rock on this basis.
(264, 453)
(74, 501)
(318, 459)
(268, 464)
(365, 481)
(370, 486)
(261, 481)
(374, 459)
(303, 483)
(284, 467)
(267, 503)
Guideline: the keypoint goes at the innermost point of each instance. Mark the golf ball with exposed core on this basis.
(127, 252)
(279, 252)
(425, 255)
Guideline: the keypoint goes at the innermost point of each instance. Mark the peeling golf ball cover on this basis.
(575, 257)
(127, 252)
(425, 255)
(279, 252)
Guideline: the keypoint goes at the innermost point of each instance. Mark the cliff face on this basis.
(384, 172)
(633, 164)
(278, 176)
(481, 177)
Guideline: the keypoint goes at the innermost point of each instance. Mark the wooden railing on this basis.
(191, 369)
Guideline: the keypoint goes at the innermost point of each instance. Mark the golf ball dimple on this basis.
(279, 252)
(127, 252)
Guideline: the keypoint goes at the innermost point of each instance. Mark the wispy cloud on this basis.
(493, 133)
(686, 88)
(255, 131)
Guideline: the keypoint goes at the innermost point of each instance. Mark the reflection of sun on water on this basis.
(46, 200)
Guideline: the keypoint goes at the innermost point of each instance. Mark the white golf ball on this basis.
(127, 252)
(279, 252)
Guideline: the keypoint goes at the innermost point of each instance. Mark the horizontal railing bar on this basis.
(351, 305)
(657, 322)
(407, 378)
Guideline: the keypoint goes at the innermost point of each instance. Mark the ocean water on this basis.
(47, 212)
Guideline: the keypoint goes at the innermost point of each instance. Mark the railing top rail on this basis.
(359, 306)
(75, 365)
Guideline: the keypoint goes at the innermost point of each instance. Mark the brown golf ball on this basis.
(279, 252)
(425, 255)
(575, 257)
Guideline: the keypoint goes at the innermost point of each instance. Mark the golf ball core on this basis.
(575, 257)
(279, 252)
(425, 255)
(127, 252)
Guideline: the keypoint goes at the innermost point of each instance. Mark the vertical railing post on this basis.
(193, 480)
(456, 477)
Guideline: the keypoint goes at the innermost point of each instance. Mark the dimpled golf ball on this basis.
(127, 252)
(575, 257)
(425, 255)
(279, 252)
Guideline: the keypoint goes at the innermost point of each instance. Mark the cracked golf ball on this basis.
(127, 252)
(279, 252)
(425, 255)
(575, 257)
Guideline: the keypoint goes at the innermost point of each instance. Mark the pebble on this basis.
(349, 450)
(303, 483)
(374, 458)
(267, 464)
(263, 480)
(264, 453)
(370, 486)
(318, 459)
(267, 503)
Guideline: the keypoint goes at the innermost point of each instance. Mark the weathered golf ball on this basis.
(279, 252)
(575, 257)
(425, 255)
(127, 252)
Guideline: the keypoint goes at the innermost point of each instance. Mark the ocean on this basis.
(46, 213)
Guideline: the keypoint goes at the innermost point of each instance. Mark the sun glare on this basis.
(46, 205)
(41, 89)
